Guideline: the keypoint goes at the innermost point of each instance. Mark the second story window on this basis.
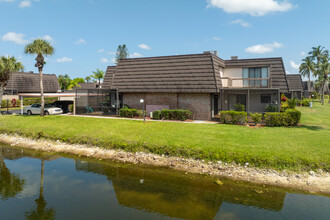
(255, 77)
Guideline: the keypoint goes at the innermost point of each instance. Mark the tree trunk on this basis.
(99, 83)
(1, 94)
(323, 84)
(42, 93)
(42, 178)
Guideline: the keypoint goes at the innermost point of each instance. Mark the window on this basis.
(265, 98)
(255, 73)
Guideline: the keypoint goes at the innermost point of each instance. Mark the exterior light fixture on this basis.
(144, 115)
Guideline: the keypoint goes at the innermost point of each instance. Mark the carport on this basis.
(38, 95)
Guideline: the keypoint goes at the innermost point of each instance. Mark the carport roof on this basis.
(47, 94)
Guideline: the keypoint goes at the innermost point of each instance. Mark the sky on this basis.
(86, 33)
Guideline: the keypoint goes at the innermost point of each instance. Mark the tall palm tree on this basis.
(98, 75)
(40, 47)
(307, 67)
(317, 53)
(8, 65)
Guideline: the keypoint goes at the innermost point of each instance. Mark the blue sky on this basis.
(86, 33)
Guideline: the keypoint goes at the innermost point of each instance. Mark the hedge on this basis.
(291, 117)
(10, 105)
(128, 113)
(256, 117)
(233, 117)
(175, 114)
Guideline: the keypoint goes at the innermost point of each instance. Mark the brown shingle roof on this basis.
(309, 86)
(108, 77)
(30, 83)
(87, 86)
(197, 73)
(277, 70)
(295, 82)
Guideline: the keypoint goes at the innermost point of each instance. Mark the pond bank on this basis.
(312, 182)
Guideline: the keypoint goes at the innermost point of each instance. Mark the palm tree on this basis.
(40, 47)
(323, 74)
(8, 65)
(317, 53)
(121, 53)
(307, 67)
(75, 83)
(88, 78)
(64, 81)
(98, 75)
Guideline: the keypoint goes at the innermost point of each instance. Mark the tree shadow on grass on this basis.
(311, 127)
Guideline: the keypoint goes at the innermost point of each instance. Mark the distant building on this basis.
(22, 82)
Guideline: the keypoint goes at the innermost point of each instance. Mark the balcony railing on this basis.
(245, 82)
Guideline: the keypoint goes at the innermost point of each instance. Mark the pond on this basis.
(35, 185)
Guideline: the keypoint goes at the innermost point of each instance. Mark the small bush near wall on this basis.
(140, 113)
(256, 117)
(128, 113)
(292, 103)
(305, 102)
(239, 107)
(30, 101)
(291, 117)
(176, 114)
(270, 108)
(156, 115)
(233, 117)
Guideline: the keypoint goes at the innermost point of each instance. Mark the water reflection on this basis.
(78, 189)
(10, 183)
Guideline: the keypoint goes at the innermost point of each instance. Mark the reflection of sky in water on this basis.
(92, 191)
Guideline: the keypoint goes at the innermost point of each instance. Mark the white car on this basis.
(35, 109)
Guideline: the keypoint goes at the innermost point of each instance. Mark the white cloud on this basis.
(241, 22)
(100, 50)
(135, 55)
(144, 47)
(48, 38)
(64, 60)
(14, 37)
(80, 41)
(25, 4)
(263, 48)
(303, 53)
(294, 65)
(111, 53)
(104, 60)
(216, 38)
(252, 7)
(113, 60)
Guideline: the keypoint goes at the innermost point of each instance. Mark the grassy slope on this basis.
(296, 148)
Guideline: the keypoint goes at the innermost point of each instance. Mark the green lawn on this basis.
(296, 148)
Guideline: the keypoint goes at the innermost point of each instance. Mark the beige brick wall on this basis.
(199, 104)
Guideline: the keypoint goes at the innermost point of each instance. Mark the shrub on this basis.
(283, 98)
(127, 113)
(293, 117)
(239, 107)
(270, 108)
(290, 117)
(30, 101)
(176, 114)
(225, 117)
(292, 103)
(276, 119)
(233, 117)
(256, 117)
(10, 104)
(156, 115)
(70, 108)
(140, 113)
(305, 102)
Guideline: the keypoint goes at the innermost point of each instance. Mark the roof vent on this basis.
(234, 58)
(214, 52)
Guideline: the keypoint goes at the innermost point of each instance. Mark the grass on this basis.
(304, 147)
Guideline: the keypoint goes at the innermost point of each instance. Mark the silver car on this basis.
(35, 109)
